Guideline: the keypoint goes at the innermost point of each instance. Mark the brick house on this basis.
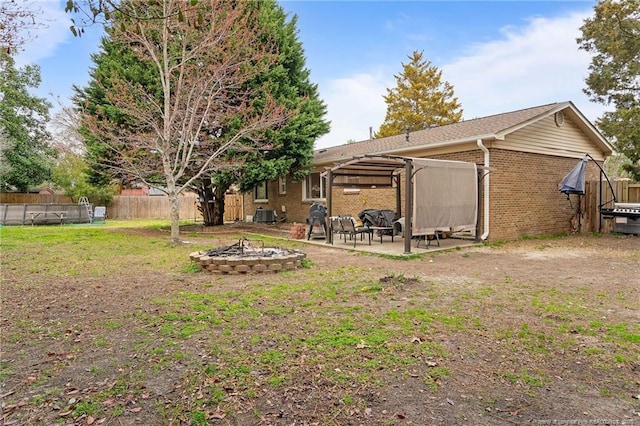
(529, 152)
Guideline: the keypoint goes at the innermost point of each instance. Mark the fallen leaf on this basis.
(218, 415)
(401, 416)
(135, 409)
(90, 420)
(361, 345)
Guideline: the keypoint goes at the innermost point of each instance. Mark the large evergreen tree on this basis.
(115, 60)
(198, 57)
(23, 119)
(613, 36)
(420, 100)
(290, 149)
(284, 149)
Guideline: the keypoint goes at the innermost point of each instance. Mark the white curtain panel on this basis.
(445, 195)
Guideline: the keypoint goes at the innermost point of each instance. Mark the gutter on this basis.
(484, 149)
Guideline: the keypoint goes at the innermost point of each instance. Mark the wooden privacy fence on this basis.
(23, 198)
(136, 207)
(626, 192)
(157, 207)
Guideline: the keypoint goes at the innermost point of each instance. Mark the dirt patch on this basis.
(528, 332)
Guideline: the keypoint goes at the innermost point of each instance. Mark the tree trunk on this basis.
(211, 202)
(174, 201)
(206, 198)
(218, 205)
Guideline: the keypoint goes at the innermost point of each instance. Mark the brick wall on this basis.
(385, 198)
(297, 210)
(367, 198)
(524, 196)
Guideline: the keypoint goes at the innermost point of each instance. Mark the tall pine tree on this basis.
(291, 145)
(420, 100)
(285, 81)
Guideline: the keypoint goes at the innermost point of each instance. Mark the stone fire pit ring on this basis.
(245, 258)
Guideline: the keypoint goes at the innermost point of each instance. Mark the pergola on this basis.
(380, 171)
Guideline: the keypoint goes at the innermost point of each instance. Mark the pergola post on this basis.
(480, 176)
(408, 233)
(327, 226)
(398, 194)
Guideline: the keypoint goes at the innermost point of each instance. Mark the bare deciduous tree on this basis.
(171, 132)
(65, 137)
(17, 20)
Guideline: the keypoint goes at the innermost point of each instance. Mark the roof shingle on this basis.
(462, 131)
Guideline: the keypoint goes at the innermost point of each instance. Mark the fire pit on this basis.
(244, 258)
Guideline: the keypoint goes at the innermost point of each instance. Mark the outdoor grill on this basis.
(626, 217)
(317, 221)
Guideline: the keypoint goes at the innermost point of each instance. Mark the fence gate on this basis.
(232, 207)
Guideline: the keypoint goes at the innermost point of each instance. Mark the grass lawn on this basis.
(110, 324)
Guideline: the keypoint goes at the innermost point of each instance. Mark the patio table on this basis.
(381, 231)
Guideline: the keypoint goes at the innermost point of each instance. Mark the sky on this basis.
(499, 56)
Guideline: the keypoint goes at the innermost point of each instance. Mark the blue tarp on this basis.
(573, 183)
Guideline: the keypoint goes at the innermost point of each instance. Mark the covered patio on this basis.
(397, 247)
(385, 171)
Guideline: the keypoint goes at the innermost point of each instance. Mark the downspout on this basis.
(484, 149)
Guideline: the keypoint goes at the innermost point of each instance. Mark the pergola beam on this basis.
(375, 166)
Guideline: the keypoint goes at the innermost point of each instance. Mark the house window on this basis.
(260, 192)
(314, 187)
(282, 185)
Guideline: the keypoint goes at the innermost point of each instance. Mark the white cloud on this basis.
(528, 66)
(354, 103)
(52, 31)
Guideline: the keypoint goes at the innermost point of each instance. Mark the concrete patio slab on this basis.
(395, 248)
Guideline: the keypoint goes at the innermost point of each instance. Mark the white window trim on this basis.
(304, 190)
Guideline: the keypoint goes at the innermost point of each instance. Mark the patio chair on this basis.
(349, 228)
(100, 213)
(335, 227)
